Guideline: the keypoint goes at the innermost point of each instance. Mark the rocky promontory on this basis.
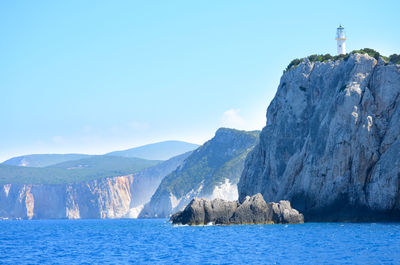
(253, 210)
(331, 143)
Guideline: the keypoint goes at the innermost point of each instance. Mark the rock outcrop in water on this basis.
(253, 210)
(331, 144)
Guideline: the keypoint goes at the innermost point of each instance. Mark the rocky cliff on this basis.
(211, 171)
(331, 144)
(114, 197)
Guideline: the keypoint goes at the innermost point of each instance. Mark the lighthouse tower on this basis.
(341, 40)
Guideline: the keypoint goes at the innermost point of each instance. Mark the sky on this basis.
(98, 76)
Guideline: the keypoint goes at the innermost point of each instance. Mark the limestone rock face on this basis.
(254, 210)
(283, 212)
(105, 198)
(115, 197)
(203, 211)
(331, 144)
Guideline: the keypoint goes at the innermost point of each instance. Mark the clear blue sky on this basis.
(96, 76)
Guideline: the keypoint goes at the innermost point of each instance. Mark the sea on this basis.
(155, 241)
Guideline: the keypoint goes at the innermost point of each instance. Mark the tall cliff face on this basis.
(104, 198)
(331, 144)
(115, 197)
(211, 171)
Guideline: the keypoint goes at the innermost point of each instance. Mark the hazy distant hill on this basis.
(42, 160)
(157, 151)
(94, 167)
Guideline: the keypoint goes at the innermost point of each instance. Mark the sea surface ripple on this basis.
(155, 241)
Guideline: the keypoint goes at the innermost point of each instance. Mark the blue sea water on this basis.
(158, 242)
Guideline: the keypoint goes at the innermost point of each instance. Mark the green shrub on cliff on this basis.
(370, 52)
(293, 63)
(317, 58)
(394, 58)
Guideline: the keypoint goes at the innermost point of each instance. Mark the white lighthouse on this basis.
(341, 40)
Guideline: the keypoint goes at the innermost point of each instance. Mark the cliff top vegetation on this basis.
(392, 59)
(95, 167)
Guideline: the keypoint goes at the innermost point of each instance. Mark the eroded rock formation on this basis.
(253, 210)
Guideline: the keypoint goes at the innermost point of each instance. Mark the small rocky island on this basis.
(253, 210)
